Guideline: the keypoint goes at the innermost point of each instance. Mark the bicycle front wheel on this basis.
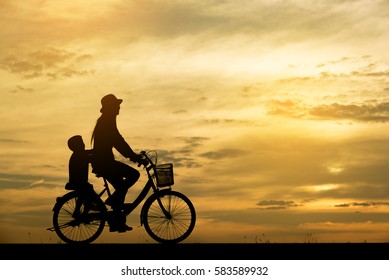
(73, 224)
(174, 225)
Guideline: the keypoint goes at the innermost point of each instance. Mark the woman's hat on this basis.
(109, 100)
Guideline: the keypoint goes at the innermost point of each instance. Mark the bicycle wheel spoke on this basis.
(63, 226)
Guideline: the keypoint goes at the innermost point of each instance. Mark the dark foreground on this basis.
(194, 251)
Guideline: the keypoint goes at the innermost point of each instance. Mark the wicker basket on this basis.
(164, 175)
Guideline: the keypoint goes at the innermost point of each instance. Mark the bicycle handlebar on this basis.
(144, 156)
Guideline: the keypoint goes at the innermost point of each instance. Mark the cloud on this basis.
(291, 20)
(207, 23)
(364, 204)
(193, 142)
(368, 111)
(183, 156)
(22, 89)
(276, 204)
(51, 62)
(352, 190)
(224, 153)
(190, 61)
(358, 112)
(180, 158)
(299, 168)
(374, 74)
(227, 122)
(332, 62)
(351, 89)
(16, 141)
(287, 108)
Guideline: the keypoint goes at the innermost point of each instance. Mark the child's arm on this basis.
(89, 154)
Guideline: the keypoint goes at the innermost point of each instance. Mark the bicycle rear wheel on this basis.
(174, 227)
(75, 225)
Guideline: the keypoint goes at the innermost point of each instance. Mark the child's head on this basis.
(75, 143)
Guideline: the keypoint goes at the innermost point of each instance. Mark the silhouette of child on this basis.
(78, 165)
(78, 174)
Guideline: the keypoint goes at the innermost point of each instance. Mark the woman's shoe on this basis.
(120, 228)
(124, 228)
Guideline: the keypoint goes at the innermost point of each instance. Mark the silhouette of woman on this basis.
(105, 137)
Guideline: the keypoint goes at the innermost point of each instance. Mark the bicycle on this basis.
(168, 216)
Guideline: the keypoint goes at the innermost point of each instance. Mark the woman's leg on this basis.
(122, 177)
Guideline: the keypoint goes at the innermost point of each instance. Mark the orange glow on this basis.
(276, 119)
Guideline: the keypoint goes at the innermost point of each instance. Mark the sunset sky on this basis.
(275, 114)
